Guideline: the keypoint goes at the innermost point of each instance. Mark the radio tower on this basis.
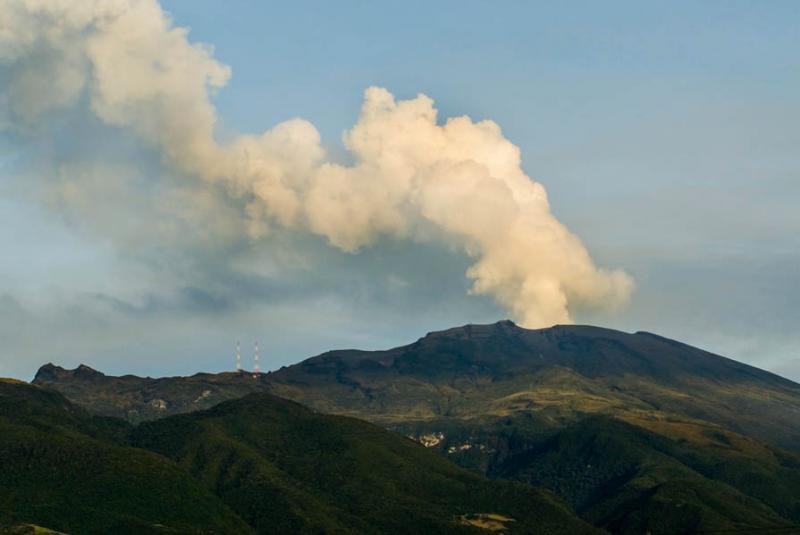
(256, 367)
(238, 357)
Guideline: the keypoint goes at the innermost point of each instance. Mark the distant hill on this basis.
(635, 431)
(255, 465)
(138, 399)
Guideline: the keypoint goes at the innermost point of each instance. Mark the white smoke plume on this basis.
(460, 183)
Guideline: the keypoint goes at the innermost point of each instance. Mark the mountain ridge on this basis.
(508, 329)
(50, 371)
(634, 430)
(500, 368)
(642, 369)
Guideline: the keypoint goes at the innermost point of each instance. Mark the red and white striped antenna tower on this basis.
(256, 366)
(238, 357)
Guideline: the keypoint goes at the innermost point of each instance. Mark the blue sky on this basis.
(666, 135)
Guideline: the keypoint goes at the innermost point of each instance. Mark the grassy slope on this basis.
(63, 470)
(630, 480)
(27, 529)
(280, 468)
(283, 467)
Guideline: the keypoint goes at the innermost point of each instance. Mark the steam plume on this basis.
(459, 183)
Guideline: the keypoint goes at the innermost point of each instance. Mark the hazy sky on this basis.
(666, 135)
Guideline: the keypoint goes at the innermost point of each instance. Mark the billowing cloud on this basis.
(457, 183)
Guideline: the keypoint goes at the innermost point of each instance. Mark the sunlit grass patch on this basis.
(487, 521)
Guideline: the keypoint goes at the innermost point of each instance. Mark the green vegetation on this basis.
(259, 464)
(634, 431)
(287, 469)
(63, 470)
(630, 480)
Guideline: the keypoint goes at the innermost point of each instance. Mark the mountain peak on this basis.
(83, 368)
(48, 372)
(51, 373)
(476, 330)
(506, 327)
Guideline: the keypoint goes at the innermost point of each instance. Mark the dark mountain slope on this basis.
(502, 369)
(478, 371)
(62, 469)
(286, 469)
